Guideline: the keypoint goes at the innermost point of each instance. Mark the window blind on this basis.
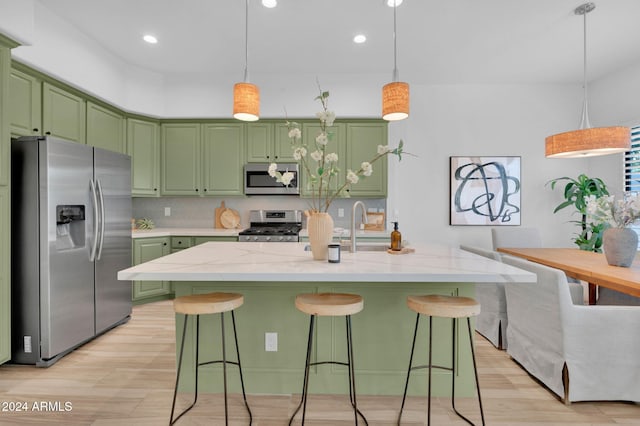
(632, 163)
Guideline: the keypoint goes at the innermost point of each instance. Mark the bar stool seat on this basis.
(453, 307)
(205, 304)
(331, 305)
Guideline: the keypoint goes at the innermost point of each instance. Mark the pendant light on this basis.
(246, 96)
(587, 141)
(395, 95)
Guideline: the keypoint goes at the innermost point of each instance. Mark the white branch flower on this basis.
(322, 139)
(295, 133)
(286, 178)
(352, 177)
(367, 168)
(332, 157)
(316, 155)
(299, 152)
(383, 149)
(273, 168)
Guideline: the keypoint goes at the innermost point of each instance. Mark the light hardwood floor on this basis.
(126, 377)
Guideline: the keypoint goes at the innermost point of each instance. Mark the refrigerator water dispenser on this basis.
(70, 226)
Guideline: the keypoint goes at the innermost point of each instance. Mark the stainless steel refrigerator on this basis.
(71, 233)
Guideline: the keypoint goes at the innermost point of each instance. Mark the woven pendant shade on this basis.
(588, 142)
(246, 102)
(395, 101)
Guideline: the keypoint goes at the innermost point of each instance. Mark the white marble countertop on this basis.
(281, 262)
(184, 232)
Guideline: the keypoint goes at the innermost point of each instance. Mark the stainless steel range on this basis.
(272, 226)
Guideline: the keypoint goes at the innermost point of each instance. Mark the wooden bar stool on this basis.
(446, 307)
(333, 305)
(202, 304)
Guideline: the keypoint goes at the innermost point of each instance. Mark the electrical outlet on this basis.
(271, 342)
(167, 211)
(340, 212)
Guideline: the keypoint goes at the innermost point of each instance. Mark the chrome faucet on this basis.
(352, 249)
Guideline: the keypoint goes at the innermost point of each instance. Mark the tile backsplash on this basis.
(193, 212)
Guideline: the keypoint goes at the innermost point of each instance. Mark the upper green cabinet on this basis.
(105, 128)
(268, 142)
(63, 114)
(180, 153)
(143, 145)
(362, 145)
(202, 159)
(223, 159)
(25, 98)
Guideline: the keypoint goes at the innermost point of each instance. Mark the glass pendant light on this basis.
(587, 141)
(395, 95)
(246, 96)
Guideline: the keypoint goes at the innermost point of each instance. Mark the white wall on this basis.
(446, 120)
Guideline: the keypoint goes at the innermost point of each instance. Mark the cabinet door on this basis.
(143, 145)
(144, 250)
(63, 114)
(180, 173)
(362, 145)
(105, 128)
(336, 144)
(260, 142)
(223, 156)
(5, 276)
(282, 143)
(25, 104)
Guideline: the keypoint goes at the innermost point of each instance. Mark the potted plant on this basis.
(576, 193)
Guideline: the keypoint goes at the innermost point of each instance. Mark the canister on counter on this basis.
(334, 253)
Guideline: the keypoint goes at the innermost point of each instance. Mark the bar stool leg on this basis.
(475, 372)
(224, 369)
(406, 385)
(430, 368)
(352, 374)
(175, 391)
(305, 384)
(244, 395)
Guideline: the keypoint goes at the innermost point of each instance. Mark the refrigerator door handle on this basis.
(102, 218)
(94, 196)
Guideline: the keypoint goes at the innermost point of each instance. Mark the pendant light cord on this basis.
(246, 42)
(395, 55)
(584, 122)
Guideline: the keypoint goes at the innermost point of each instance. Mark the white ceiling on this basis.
(439, 41)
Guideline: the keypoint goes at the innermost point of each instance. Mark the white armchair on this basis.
(580, 352)
(492, 320)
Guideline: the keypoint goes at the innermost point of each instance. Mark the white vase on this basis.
(320, 228)
(620, 246)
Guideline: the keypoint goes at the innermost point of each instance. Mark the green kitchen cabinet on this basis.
(63, 113)
(25, 98)
(337, 144)
(223, 159)
(181, 243)
(268, 142)
(144, 250)
(180, 153)
(200, 240)
(362, 145)
(143, 145)
(202, 158)
(105, 128)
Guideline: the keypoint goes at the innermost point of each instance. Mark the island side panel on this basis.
(383, 333)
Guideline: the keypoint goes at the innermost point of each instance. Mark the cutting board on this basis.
(218, 214)
(230, 219)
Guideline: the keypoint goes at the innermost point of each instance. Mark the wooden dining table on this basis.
(586, 266)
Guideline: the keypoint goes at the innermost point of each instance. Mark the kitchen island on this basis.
(270, 275)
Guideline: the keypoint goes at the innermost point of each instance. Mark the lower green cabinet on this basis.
(144, 250)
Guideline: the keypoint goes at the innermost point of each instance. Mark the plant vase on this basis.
(620, 246)
(320, 228)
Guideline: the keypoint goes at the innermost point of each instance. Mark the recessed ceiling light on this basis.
(150, 39)
(392, 3)
(269, 3)
(360, 38)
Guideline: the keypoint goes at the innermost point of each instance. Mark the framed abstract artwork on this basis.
(485, 191)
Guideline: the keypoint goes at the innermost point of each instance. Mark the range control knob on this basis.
(280, 238)
(255, 238)
(268, 238)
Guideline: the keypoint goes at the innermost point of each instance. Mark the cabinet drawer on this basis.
(181, 242)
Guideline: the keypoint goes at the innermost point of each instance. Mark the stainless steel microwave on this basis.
(258, 182)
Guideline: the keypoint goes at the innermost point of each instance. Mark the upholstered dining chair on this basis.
(580, 352)
(491, 322)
